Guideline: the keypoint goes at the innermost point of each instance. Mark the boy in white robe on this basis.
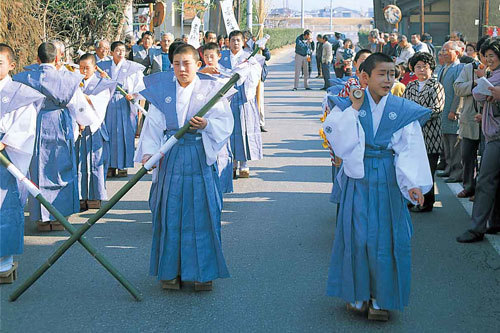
(93, 142)
(18, 107)
(186, 201)
(379, 138)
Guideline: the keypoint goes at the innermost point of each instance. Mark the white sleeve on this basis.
(411, 162)
(219, 128)
(80, 110)
(19, 127)
(100, 104)
(152, 134)
(135, 83)
(347, 138)
(250, 73)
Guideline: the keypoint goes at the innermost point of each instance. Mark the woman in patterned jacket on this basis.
(427, 92)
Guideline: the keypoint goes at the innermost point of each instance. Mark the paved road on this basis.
(278, 229)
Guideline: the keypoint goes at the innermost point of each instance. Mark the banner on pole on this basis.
(194, 35)
(228, 15)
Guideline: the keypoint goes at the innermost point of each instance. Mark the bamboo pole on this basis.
(78, 234)
(123, 92)
(83, 241)
(422, 18)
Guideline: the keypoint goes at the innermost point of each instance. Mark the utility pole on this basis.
(249, 14)
(302, 24)
(486, 14)
(422, 18)
(331, 15)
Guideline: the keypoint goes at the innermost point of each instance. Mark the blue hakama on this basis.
(187, 213)
(225, 168)
(93, 160)
(11, 214)
(371, 256)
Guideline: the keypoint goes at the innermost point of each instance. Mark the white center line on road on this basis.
(457, 188)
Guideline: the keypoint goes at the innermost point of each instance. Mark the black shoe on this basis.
(442, 174)
(421, 209)
(308, 89)
(452, 180)
(263, 129)
(493, 230)
(294, 89)
(441, 166)
(323, 88)
(470, 236)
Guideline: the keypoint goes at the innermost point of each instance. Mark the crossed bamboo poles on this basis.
(77, 234)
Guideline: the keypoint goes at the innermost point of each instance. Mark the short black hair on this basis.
(47, 52)
(418, 35)
(373, 60)
(494, 46)
(236, 33)
(87, 56)
(172, 48)
(186, 49)
(247, 35)
(424, 57)
(360, 53)
(11, 55)
(117, 43)
(307, 32)
(426, 37)
(209, 32)
(482, 41)
(147, 33)
(211, 46)
(320, 36)
(398, 71)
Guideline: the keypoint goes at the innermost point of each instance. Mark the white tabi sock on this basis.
(358, 305)
(375, 305)
(243, 165)
(6, 263)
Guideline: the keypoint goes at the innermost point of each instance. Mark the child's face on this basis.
(382, 79)
(87, 68)
(211, 57)
(5, 65)
(185, 68)
(118, 53)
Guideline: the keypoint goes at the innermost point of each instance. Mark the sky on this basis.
(318, 4)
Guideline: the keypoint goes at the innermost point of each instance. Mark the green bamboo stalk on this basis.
(115, 198)
(69, 227)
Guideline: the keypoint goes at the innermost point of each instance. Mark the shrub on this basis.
(281, 37)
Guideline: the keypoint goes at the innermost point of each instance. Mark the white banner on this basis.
(228, 15)
(194, 35)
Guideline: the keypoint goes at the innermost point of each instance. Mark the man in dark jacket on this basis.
(391, 48)
(319, 52)
(302, 57)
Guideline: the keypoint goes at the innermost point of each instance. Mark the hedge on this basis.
(281, 37)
